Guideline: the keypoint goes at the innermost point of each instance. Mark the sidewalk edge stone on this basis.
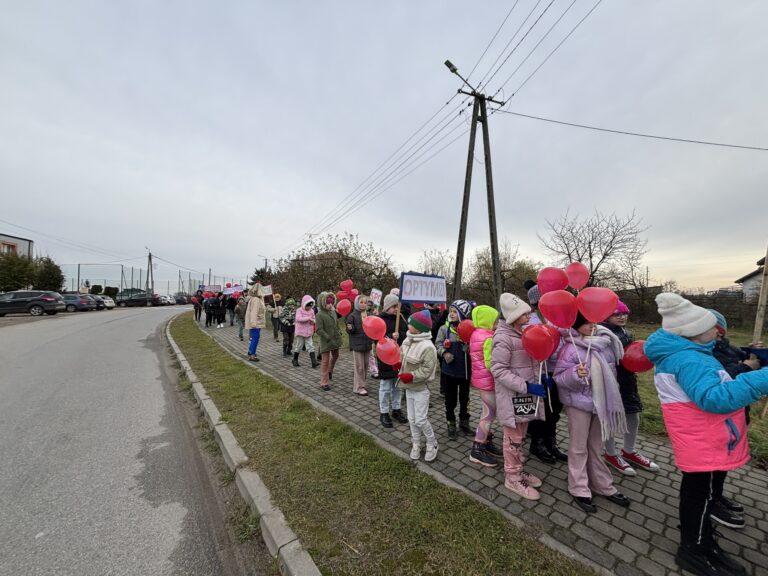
(281, 541)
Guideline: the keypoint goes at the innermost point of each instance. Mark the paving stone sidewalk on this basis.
(640, 540)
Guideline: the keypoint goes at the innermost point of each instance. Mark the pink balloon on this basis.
(578, 275)
(537, 342)
(228, 284)
(559, 307)
(344, 307)
(551, 279)
(346, 285)
(374, 327)
(354, 293)
(596, 304)
(387, 351)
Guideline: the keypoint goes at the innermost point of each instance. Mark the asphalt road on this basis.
(100, 472)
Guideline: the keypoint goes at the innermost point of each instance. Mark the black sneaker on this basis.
(464, 427)
(722, 558)
(492, 449)
(478, 455)
(585, 503)
(452, 434)
(720, 514)
(398, 416)
(386, 421)
(619, 499)
(731, 505)
(698, 562)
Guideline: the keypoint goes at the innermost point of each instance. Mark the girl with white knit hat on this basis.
(703, 410)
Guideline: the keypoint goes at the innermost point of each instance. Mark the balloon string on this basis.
(578, 356)
(589, 345)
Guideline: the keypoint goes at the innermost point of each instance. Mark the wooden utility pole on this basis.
(479, 114)
(761, 302)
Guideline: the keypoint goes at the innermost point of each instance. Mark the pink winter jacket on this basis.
(305, 319)
(511, 368)
(482, 379)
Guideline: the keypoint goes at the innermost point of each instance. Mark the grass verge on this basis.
(651, 421)
(356, 507)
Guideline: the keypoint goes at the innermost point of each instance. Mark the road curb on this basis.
(281, 541)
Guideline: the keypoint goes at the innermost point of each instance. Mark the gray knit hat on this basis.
(389, 301)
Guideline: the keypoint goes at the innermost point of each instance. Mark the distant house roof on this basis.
(761, 264)
(15, 237)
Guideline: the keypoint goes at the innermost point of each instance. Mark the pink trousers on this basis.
(587, 471)
(514, 457)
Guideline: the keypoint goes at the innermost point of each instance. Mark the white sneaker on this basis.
(431, 453)
(415, 451)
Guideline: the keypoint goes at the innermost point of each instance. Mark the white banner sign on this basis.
(267, 290)
(376, 295)
(212, 288)
(415, 287)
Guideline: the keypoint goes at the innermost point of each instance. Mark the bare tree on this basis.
(608, 244)
(323, 262)
(514, 271)
(438, 263)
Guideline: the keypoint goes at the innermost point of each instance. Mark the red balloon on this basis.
(635, 359)
(374, 327)
(354, 293)
(341, 295)
(464, 330)
(346, 285)
(554, 333)
(228, 284)
(596, 304)
(447, 343)
(537, 342)
(551, 279)
(387, 351)
(578, 275)
(194, 299)
(344, 307)
(559, 307)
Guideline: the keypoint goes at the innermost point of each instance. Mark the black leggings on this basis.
(697, 490)
(198, 313)
(456, 388)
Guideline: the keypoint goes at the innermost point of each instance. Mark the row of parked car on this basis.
(39, 302)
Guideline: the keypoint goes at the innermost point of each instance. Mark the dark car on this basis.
(138, 299)
(99, 301)
(34, 302)
(79, 302)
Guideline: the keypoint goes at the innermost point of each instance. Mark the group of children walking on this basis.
(703, 400)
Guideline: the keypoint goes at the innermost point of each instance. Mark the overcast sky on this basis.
(219, 133)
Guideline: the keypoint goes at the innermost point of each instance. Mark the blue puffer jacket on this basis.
(702, 405)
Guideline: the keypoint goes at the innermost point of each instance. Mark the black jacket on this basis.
(730, 357)
(387, 372)
(358, 341)
(630, 396)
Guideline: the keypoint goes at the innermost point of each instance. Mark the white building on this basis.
(15, 245)
(752, 282)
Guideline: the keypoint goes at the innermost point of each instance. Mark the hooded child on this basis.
(417, 369)
(240, 309)
(703, 409)
(330, 337)
(519, 397)
(590, 393)
(484, 318)
(288, 325)
(255, 318)
(455, 369)
(359, 344)
(633, 405)
(389, 394)
(305, 328)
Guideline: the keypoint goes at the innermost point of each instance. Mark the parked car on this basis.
(34, 302)
(98, 299)
(182, 300)
(138, 299)
(79, 302)
(166, 300)
(108, 302)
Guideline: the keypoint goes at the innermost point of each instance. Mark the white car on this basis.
(167, 300)
(108, 302)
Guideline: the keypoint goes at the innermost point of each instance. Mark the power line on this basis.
(556, 48)
(492, 39)
(507, 45)
(629, 133)
(556, 22)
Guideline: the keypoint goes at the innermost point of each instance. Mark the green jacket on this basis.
(327, 323)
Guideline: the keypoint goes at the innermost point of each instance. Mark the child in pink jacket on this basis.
(305, 328)
(519, 398)
(484, 318)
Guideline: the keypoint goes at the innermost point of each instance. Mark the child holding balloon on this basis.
(586, 380)
(327, 323)
(519, 392)
(389, 393)
(359, 344)
(484, 318)
(633, 406)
